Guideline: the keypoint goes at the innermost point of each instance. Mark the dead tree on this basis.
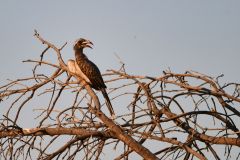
(170, 116)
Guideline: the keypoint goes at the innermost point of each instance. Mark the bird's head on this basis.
(82, 43)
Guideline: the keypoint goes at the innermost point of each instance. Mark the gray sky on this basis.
(149, 36)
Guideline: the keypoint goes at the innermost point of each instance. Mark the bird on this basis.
(88, 71)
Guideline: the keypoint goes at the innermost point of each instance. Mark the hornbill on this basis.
(88, 70)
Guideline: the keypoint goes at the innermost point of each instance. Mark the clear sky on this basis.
(149, 36)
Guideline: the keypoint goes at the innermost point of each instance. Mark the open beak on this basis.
(88, 44)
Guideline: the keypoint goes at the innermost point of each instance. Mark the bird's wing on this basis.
(81, 74)
(91, 72)
(74, 68)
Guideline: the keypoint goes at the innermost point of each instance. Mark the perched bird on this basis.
(88, 70)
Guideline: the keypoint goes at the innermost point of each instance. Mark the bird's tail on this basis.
(108, 102)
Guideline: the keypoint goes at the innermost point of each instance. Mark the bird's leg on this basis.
(92, 104)
(113, 117)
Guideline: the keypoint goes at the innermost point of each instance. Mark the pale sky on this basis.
(149, 36)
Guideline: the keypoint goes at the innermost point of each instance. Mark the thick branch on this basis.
(54, 131)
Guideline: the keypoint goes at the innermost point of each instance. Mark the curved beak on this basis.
(88, 44)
